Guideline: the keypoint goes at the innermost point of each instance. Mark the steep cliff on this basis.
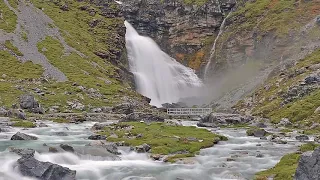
(184, 29)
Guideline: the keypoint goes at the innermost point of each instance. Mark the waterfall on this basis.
(157, 75)
(213, 49)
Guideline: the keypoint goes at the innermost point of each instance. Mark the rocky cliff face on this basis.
(183, 29)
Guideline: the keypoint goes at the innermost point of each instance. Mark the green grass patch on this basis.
(11, 47)
(24, 124)
(60, 120)
(11, 66)
(164, 139)
(8, 21)
(287, 166)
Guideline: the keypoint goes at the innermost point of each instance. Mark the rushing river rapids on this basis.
(233, 159)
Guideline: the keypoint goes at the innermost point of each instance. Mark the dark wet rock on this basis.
(97, 137)
(302, 138)
(26, 153)
(61, 134)
(67, 147)
(22, 136)
(309, 166)
(143, 148)
(256, 132)
(231, 159)
(42, 125)
(155, 157)
(112, 148)
(53, 150)
(217, 119)
(259, 155)
(146, 117)
(125, 108)
(44, 170)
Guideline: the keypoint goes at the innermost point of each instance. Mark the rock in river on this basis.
(44, 170)
(22, 136)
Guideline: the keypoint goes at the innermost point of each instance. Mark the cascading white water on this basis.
(213, 49)
(157, 75)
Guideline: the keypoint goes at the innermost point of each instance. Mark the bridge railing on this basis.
(188, 111)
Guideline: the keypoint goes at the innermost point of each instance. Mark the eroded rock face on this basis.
(44, 170)
(180, 29)
(309, 166)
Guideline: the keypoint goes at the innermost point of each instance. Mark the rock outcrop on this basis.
(218, 119)
(181, 29)
(309, 166)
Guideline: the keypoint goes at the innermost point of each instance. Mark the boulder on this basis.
(67, 147)
(125, 108)
(309, 166)
(143, 148)
(53, 150)
(302, 138)
(256, 132)
(28, 102)
(26, 153)
(217, 119)
(44, 170)
(61, 134)
(112, 148)
(146, 117)
(97, 137)
(22, 136)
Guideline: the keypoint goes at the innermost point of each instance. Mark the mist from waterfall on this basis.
(157, 75)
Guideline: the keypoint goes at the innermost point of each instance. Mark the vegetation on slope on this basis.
(8, 20)
(163, 139)
(287, 166)
(268, 100)
(92, 80)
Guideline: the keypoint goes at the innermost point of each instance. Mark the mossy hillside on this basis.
(8, 44)
(287, 166)
(90, 71)
(79, 70)
(8, 20)
(162, 138)
(267, 101)
(13, 72)
(280, 16)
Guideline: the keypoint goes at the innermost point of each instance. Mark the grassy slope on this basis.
(8, 19)
(300, 110)
(90, 71)
(287, 166)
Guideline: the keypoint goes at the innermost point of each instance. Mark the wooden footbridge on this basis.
(188, 111)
